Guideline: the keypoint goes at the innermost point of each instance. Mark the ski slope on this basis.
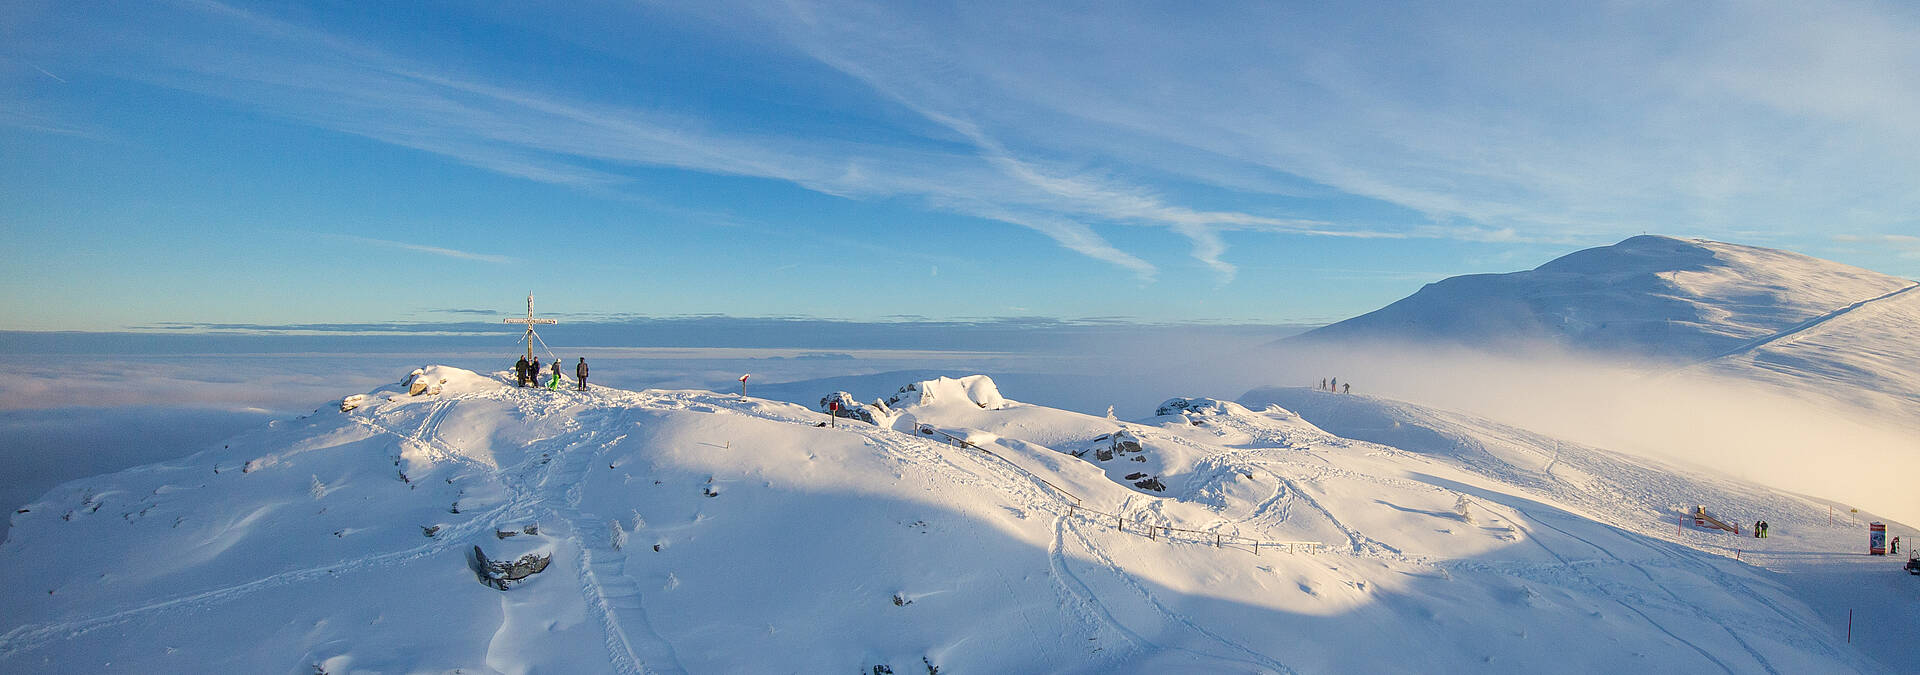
(1816, 550)
(1866, 354)
(692, 531)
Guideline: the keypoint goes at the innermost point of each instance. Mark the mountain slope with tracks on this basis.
(692, 531)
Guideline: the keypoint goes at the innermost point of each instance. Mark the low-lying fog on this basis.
(72, 416)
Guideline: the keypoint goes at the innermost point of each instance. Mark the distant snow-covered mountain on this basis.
(1755, 313)
(1652, 296)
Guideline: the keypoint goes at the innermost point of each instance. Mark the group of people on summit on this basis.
(529, 373)
(1335, 387)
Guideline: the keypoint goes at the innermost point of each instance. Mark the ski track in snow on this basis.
(1253, 657)
(30, 636)
(1623, 602)
(1035, 495)
(1083, 599)
(611, 595)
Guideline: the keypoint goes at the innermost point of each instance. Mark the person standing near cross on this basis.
(532, 363)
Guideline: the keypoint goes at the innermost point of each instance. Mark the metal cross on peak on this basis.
(530, 323)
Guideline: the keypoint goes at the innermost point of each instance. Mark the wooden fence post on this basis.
(1256, 547)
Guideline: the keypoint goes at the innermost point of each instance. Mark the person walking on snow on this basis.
(1346, 388)
(1323, 384)
(520, 369)
(580, 373)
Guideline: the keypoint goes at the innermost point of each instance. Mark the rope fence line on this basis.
(1156, 532)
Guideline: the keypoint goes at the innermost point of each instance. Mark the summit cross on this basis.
(530, 323)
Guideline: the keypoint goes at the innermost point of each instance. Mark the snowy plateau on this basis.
(454, 522)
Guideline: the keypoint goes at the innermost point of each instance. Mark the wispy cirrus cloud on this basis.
(314, 76)
(423, 248)
(1566, 124)
(1562, 123)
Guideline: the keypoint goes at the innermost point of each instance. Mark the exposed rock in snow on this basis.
(1200, 406)
(877, 414)
(504, 574)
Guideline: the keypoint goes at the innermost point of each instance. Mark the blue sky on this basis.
(1186, 162)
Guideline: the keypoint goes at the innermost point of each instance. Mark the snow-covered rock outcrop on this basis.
(978, 391)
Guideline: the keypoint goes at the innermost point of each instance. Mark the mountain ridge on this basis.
(1648, 296)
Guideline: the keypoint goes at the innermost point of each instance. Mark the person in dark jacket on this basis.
(555, 382)
(520, 369)
(580, 373)
(533, 371)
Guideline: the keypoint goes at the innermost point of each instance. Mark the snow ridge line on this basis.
(1804, 326)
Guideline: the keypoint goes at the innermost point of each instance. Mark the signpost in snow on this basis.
(833, 412)
(743, 384)
(530, 322)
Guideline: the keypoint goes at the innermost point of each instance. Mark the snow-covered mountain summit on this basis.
(1679, 300)
(693, 531)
